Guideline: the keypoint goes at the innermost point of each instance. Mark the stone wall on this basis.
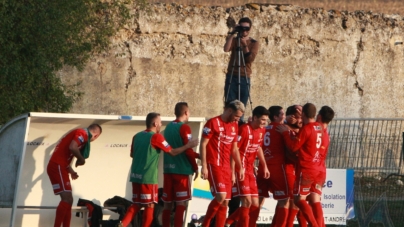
(351, 61)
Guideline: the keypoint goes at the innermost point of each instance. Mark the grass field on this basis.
(379, 6)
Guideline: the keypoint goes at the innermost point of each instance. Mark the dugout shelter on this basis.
(27, 142)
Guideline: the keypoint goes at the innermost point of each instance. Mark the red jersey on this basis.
(62, 154)
(249, 141)
(325, 142)
(274, 145)
(308, 143)
(221, 137)
(186, 135)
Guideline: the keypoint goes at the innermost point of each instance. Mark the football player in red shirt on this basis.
(219, 142)
(71, 145)
(307, 143)
(324, 117)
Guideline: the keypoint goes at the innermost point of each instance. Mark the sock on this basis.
(281, 216)
(68, 216)
(254, 213)
(130, 213)
(273, 222)
(307, 212)
(61, 212)
(291, 217)
(147, 216)
(318, 213)
(179, 215)
(300, 218)
(244, 217)
(166, 218)
(210, 213)
(221, 216)
(233, 217)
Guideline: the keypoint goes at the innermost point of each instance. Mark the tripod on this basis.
(238, 62)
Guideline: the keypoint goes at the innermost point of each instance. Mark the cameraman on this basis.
(249, 47)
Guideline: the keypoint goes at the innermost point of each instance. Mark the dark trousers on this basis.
(231, 91)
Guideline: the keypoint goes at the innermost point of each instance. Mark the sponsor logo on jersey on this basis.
(182, 194)
(81, 139)
(145, 196)
(206, 131)
(317, 128)
(189, 136)
(239, 138)
(250, 136)
(136, 176)
(306, 189)
(169, 166)
(221, 129)
(56, 186)
(166, 144)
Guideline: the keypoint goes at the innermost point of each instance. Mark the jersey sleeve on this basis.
(186, 135)
(81, 137)
(208, 129)
(159, 142)
(295, 143)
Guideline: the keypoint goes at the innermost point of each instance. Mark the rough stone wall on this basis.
(351, 61)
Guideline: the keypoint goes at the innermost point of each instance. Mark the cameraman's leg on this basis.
(230, 88)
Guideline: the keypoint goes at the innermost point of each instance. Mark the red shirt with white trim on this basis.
(249, 141)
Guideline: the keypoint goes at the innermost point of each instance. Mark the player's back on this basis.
(309, 153)
(274, 145)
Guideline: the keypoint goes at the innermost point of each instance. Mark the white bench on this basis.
(82, 209)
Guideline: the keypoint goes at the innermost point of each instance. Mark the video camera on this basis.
(240, 29)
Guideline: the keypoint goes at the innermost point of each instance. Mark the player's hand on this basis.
(233, 178)
(196, 174)
(282, 128)
(74, 175)
(193, 142)
(80, 162)
(266, 173)
(291, 119)
(204, 173)
(241, 174)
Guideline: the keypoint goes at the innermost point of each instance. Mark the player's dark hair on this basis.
(245, 20)
(150, 119)
(291, 110)
(260, 111)
(94, 126)
(309, 110)
(274, 111)
(180, 108)
(326, 113)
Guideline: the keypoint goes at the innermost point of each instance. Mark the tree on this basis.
(37, 38)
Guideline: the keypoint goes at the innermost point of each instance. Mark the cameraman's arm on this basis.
(252, 51)
(228, 44)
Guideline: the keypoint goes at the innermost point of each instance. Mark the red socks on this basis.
(254, 213)
(179, 215)
(63, 212)
(166, 218)
(318, 213)
(221, 215)
(130, 213)
(307, 212)
(280, 217)
(300, 218)
(291, 217)
(210, 213)
(147, 216)
(244, 217)
(233, 217)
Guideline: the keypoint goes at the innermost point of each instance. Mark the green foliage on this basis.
(37, 38)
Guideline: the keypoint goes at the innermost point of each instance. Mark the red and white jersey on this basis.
(62, 154)
(325, 143)
(308, 144)
(249, 141)
(274, 145)
(221, 137)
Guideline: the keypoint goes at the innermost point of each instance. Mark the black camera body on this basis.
(240, 29)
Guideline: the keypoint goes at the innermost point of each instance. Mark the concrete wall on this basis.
(351, 61)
